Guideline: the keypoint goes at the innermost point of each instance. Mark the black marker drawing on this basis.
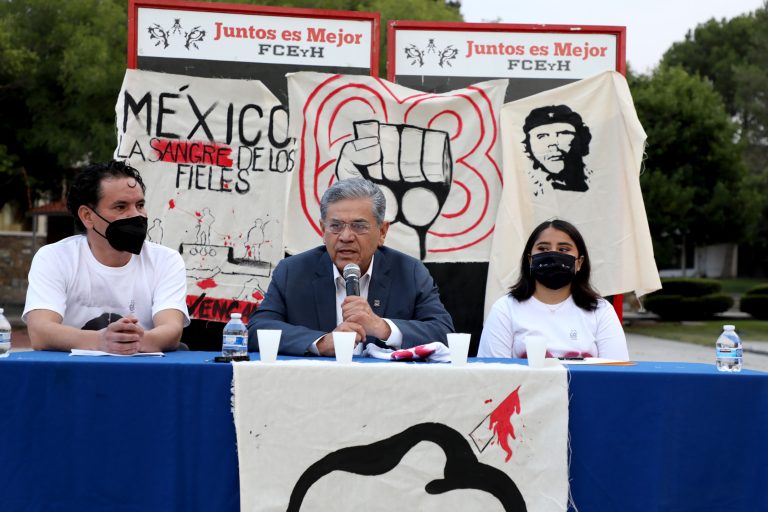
(255, 238)
(252, 289)
(155, 231)
(210, 264)
(204, 223)
(556, 141)
(445, 56)
(165, 36)
(412, 166)
(159, 33)
(415, 55)
(448, 54)
(462, 470)
(194, 36)
(176, 28)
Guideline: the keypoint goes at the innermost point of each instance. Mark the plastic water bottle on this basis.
(235, 339)
(728, 353)
(5, 335)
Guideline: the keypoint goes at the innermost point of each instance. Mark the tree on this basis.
(733, 56)
(62, 65)
(695, 184)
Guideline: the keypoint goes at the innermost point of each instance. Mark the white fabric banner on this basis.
(575, 153)
(316, 435)
(436, 157)
(215, 158)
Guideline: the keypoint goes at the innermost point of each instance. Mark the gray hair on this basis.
(355, 188)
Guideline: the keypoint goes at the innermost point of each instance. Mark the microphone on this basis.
(352, 278)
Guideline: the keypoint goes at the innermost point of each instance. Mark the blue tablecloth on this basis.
(156, 434)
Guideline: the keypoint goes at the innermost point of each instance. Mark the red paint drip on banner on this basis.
(207, 283)
(171, 204)
(501, 421)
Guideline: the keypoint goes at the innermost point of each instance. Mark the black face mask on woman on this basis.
(126, 234)
(553, 269)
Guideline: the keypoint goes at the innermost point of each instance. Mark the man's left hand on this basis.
(356, 309)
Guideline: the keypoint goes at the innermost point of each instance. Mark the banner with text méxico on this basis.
(245, 51)
(214, 156)
(493, 439)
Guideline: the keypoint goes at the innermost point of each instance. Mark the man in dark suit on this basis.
(399, 304)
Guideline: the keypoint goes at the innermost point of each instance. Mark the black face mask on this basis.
(553, 269)
(126, 234)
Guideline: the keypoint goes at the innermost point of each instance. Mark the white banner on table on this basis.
(436, 157)
(321, 436)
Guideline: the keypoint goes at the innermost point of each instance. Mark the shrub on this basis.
(761, 289)
(755, 302)
(688, 299)
(678, 307)
(755, 305)
(688, 287)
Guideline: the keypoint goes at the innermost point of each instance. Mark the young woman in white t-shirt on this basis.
(553, 298)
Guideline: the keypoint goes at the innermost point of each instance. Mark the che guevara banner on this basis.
(574, 153)
(436, 157)
(215, 158)
(493, 438)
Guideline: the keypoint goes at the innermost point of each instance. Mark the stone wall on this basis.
(15, 258)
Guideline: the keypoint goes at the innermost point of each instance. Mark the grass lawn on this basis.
(700, 333)
(739, 285)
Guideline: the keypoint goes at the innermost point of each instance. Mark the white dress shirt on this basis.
(395, 339)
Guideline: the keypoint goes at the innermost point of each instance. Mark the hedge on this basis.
(688, 299)
(678, 307)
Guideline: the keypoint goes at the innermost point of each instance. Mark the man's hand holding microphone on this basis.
(356, 313)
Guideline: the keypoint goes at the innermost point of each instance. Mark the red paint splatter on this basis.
(198, 214)
(257, 295)
(488, 401)
(402, 355)
(424, 352)
(192, 152)
(171, 204)
(207, 283)
(501, 421)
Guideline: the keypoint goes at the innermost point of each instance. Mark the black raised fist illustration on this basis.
(411, 165)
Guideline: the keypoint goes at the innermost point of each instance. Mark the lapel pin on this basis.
(376, 303)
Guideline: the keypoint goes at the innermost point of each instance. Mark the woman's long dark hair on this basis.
(582, 292)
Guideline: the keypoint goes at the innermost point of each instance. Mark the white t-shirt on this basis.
(569, 330)
(66, 278)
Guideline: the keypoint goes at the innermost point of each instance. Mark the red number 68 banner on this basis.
(436, 157)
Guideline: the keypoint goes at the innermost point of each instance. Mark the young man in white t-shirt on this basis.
(107, 289)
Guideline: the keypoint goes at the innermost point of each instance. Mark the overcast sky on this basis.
(652, 25)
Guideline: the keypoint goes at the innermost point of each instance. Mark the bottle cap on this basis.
(729, 327)
(236, 315)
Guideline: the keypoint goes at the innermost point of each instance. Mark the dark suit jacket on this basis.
(301, 300)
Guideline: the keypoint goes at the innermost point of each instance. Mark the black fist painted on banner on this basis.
(411, 165)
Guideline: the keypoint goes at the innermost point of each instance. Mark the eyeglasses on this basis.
(338, 227)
